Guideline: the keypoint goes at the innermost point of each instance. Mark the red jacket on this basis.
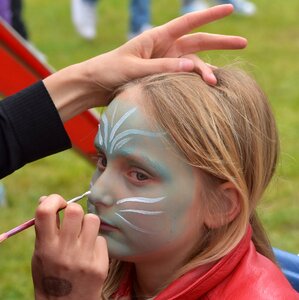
(243, 274)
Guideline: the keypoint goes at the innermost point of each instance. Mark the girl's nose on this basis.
(106, 185)
(99, 198)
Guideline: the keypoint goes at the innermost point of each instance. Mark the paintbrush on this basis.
(31, 222)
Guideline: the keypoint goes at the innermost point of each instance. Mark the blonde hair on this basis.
(227, 131)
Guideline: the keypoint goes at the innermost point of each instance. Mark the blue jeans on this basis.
(139, 14)
(233, 2)
(187, 2)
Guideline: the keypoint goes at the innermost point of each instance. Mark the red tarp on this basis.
(21, 67)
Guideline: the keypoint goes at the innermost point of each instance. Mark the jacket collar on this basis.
(192, 285)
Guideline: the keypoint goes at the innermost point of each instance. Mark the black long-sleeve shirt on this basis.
(30, 128)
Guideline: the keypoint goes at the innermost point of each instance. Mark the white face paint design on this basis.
(138, 211)
(142, 191)
(111, 142)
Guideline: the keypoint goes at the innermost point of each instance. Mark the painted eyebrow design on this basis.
(111, 139)
(153, 165)
(149, 164)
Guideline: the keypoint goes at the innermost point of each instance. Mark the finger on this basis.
(184, 64)
(203, 69)
(41, 199)
(168, 65)
(90, 230)
(101, 252)
(206, 72)
(72, 222)
(46, 216)
(183, 25)
(195, 42)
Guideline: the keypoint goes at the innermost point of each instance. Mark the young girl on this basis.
(182, 166)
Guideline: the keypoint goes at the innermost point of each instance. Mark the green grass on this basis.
(272, 56)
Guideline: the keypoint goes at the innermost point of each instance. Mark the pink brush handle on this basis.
(31, 222)
(21, 227)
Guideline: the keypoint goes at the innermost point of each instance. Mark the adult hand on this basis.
(167, 48)
(164, 48)
(70, 260)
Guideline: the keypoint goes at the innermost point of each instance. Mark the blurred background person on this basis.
(17, 21)
(11, 12)
(5, 11)
(140, 17)
(242, 7)
(84, 14)
(84, 17)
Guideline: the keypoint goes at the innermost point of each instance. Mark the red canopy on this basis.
(21, 67)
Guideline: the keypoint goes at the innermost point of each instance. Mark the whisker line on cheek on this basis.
(142, 212)
(140, 200)
(134, 226)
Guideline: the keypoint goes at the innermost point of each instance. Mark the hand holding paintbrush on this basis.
(70, 257)
(31, 222)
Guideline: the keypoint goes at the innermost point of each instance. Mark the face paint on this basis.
(143, 191)
(133, 200)
(112, 142)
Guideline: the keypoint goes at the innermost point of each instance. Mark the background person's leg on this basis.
(84, 16)
(243, 7)
(188, 6)
(140, 19)
(17, 19)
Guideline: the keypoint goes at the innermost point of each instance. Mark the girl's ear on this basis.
(228, 206)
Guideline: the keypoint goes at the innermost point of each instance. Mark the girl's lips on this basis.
(107, 227)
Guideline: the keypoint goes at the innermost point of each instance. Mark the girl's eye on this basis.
(102, 162)
(140, 176)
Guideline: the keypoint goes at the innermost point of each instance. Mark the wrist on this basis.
(72, 91)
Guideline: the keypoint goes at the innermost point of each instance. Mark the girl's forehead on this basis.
(126, 123)
(129, 111)
(121, 104)
(130, 97)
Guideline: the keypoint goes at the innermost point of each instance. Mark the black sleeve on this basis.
(30, 128)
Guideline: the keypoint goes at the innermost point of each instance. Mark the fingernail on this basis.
(212, 78)
(41, 199)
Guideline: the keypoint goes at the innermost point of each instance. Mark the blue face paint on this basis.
(143, 191)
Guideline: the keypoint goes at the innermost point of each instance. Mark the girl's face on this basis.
(146, 196)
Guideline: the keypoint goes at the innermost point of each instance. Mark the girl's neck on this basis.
(151, 278)
(156, 271)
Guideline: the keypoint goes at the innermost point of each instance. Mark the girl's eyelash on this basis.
(140, 172)
(97, 155)
(100, 154)
(135, 166)
(101, 161)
